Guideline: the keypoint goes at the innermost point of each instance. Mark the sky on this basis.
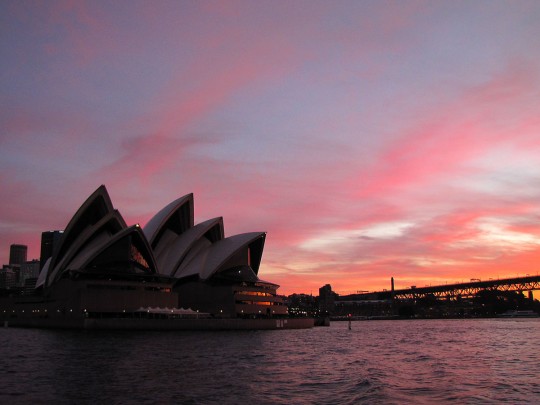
(369, 139)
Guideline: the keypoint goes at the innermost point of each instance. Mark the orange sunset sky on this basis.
(370, 139)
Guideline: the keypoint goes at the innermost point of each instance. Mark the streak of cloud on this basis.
(369, 140)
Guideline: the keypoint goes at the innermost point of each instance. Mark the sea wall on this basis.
(161, 324)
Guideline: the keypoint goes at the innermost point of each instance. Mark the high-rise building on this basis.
(8, 278)
(49, 241)
(326, 299)
(28, 270)
(17, 254)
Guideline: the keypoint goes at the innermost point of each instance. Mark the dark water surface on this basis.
(377, 362)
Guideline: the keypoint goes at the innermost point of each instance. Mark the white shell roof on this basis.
(97, 206)
(211, 260)
(170, 243)
(43, 274)
(178, 248)
(87, 238)
(133, 231)
(157, 223)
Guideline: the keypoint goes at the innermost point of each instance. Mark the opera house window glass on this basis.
(137, 257)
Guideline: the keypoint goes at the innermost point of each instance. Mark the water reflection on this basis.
(375, 362)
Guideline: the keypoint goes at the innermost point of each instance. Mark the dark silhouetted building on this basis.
(49, 241)
(327, 299)
(29, 269)
(17, 254)
(8, 278)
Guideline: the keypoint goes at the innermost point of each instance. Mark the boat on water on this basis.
(519, 314)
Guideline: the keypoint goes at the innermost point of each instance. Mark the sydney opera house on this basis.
(171, 274)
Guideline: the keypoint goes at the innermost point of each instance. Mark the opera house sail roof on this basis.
(103, 271)
(98, 244)
(183, 249)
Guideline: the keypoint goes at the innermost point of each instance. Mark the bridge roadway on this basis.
(464, 290)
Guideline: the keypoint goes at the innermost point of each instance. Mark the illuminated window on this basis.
(137, 257)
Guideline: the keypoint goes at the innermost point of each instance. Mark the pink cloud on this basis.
(331, 176)
(412, 181)
(169, 137)
(25, 216)
(446, 139)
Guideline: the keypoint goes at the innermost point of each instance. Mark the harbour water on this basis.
(472, 361)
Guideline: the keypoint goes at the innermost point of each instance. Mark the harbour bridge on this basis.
(458, 290)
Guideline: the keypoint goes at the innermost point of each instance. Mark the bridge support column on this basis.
(530, 295)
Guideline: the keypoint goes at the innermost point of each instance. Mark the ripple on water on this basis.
(380, 362)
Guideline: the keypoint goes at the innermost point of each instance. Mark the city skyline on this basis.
(368, 139)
